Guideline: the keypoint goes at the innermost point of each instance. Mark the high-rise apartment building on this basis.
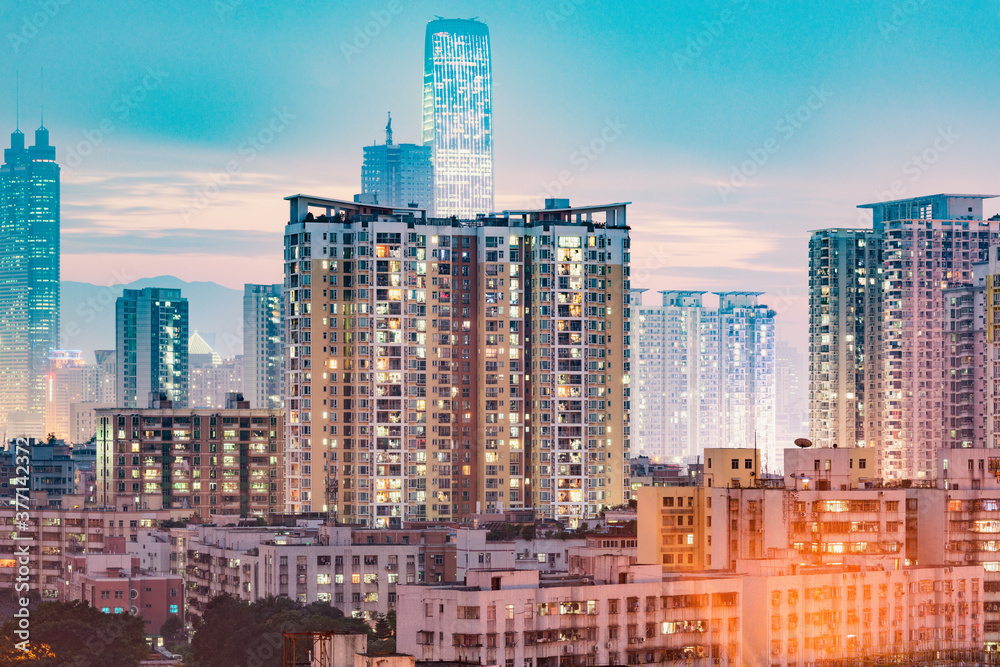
(439, 367)
(399, 175)
(845, 337)
(69, 380)
(107, 376)
(29, 280)
(263, 346)
(151, 346)
(458, 116)
(705, 376)
(791, 403)
(929, 244)
(225, 460)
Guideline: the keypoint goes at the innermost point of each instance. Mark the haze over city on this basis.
(685, 94)
(560, 333)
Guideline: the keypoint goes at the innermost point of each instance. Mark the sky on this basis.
(734, 127)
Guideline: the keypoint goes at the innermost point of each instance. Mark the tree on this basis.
(172, 630)
(385, 634)
(233, 633)
(74, 634)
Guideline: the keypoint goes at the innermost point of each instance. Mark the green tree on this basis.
(172, 630)
(74, 634)
(232, 633)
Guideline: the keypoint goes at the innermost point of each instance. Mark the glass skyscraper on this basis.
(29, 280)
(458, 116)
(263, 345)
(399, 175)
(151, 346)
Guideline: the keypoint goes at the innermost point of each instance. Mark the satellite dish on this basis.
(803, 442)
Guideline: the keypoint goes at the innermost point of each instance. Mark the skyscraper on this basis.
(791, 402)
(210, 377)
(263, 346)
(399, 175)
(458, 116)
(69, 380)
(107, 376)
(151, 346)
(891, 357)
(845, 337)
(704, 377)
(929, 244)
(421, 350)
(29, 278)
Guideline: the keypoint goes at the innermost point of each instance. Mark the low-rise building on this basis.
(210, 461)
(54, 533)
(355, 570)
(622, 614)
(829, 616)
(115, 584)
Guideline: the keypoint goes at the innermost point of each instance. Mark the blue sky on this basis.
(733, 127)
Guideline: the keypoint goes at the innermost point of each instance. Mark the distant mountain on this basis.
(88, 314)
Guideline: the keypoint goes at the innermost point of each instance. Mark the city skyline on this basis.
(172, 143)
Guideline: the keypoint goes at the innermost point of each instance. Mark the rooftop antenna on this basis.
(43, 100)
(17, 102)
(388, 131)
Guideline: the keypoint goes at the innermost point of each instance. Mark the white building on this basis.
(621, 614)
(705, 377)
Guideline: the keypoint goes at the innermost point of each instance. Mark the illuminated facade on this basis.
(68, 380)
(151, 339)
(398, 175)
(263, 345)
(437, 368)
(458, 116)
(930, 244)
(29, 280)
(845, 324)
(706, 376)
(211, 461)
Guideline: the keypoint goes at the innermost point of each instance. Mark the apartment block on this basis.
(357, 571)
(620, 614)
(56, 533)
(151, 346)
(705, 377)
(920, 614)
(263, 345)
(114, 583)
(845, 337)
(214, 462)
(930, 244)
(440, 367)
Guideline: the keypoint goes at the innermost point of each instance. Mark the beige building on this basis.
(438, 368)
(226, 461)
(56, 533)
(357, 571)
(621, 614)
(811, 618)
